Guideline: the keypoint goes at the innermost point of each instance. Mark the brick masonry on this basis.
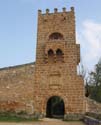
(58, 78)
(29, 87)
(16, 88)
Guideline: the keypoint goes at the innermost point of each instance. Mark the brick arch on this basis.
(55, 107)
(59, 55)
(54, 48)
(59, 51)
(56, 36)
(59, 32)
(55, 95)
(50, 52)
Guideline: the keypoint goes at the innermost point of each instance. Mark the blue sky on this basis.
(18, 29)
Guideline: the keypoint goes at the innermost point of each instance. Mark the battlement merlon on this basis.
(55, 11)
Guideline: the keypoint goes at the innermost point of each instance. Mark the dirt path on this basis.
(44, 122)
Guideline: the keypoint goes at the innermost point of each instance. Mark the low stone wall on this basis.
(93, 106)
(91, 121)
(73, 117)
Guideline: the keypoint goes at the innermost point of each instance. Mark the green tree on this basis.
(95, 82)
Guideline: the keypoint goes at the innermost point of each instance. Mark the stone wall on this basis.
(29, 87)
(16, 88)
(53, 77)
(93, 106)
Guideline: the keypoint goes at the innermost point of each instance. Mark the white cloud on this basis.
(90, 39)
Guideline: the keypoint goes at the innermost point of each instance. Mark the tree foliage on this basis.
(94, 83)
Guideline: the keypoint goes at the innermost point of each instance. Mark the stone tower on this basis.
(57, 57)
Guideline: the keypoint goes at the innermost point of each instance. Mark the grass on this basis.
(15, 119)
(9, 117)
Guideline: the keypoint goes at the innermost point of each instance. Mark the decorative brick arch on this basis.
(54, 48)
(56, 36)
(59, 32)
(59, 55)
(50, 54)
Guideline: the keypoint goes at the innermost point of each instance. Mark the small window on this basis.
(59, 52)
(59, 55)
(50, 52)
(50, 55)
(56, 36)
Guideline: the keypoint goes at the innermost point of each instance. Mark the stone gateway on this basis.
(56, 62)
(50, 86)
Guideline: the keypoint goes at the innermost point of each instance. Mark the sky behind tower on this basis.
(18, 29)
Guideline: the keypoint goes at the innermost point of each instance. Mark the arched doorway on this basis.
(55, 107)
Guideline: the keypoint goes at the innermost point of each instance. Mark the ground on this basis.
(44, 122)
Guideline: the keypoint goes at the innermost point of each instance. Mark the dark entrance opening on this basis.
(55, 107)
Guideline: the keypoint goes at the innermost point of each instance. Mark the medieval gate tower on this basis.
(57, 57)
(50, 86)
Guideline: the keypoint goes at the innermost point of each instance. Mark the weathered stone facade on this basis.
(57, 75)
(16, 88)
(54, 72)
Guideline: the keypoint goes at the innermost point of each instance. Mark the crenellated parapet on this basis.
(56, 11)
(57, 22)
